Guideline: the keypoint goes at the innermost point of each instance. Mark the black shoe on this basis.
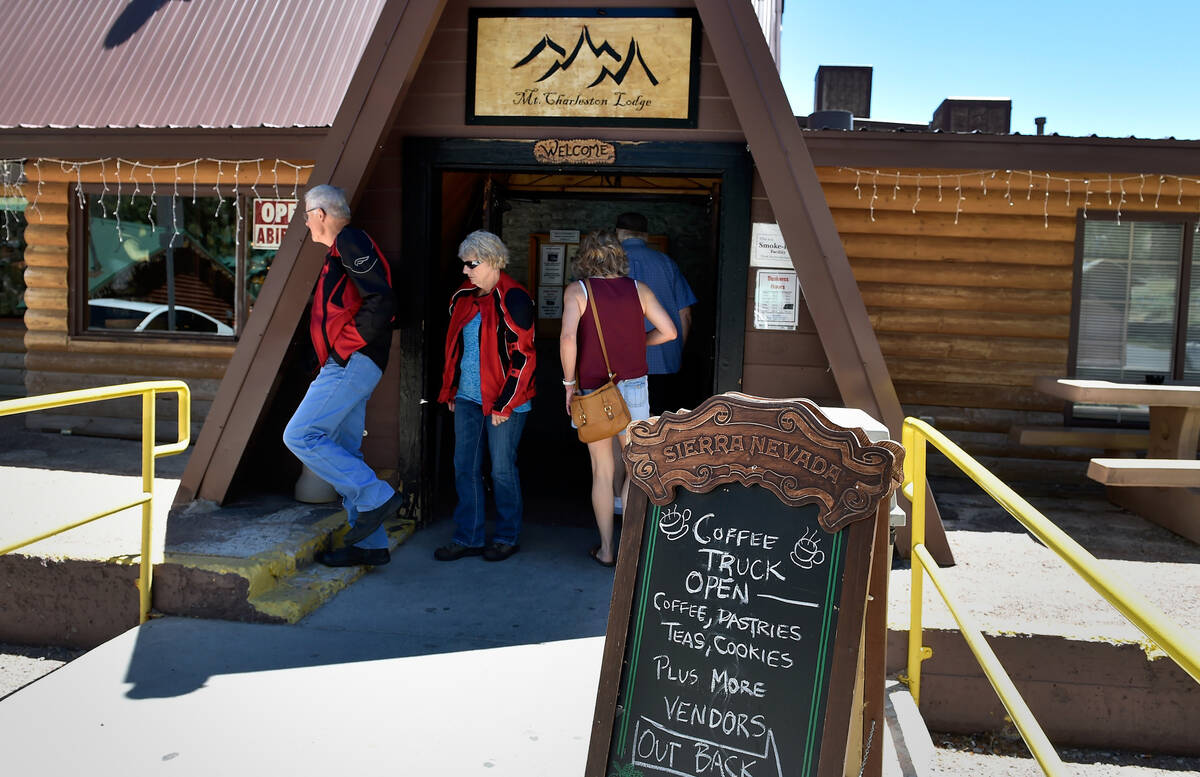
(498, 551)
(352, 556)
(453, 552)
(368, 522)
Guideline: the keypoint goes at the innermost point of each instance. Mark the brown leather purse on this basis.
(602, 413)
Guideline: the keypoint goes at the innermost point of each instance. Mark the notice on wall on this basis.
(564, 236)
(767, 248)
(776, 300)
(271, 219)
(550, 301)
(552, 264)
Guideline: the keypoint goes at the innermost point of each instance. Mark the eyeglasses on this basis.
(472, 265)
(310, 210)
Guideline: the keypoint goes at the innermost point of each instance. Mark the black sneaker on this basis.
(368, 522)
(498, 551)
(352, 556)
(453, 552)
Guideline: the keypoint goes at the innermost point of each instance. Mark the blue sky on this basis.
(1112, 69)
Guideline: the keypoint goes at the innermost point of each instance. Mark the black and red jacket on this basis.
(507, 358)
(353, 305)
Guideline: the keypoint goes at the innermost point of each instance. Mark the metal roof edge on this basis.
(1035, 152)
(161, 142)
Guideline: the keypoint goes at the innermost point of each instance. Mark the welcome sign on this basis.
(606, 67)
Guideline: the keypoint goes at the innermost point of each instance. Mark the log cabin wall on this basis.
(12, 358)
(58, 360)
(969, 290)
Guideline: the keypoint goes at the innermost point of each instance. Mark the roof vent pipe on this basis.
(1040, 121)
(834, 120)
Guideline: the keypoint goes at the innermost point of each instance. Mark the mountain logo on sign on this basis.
(565, 61)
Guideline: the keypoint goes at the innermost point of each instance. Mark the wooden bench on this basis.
(1161, 473)
(1081, 437)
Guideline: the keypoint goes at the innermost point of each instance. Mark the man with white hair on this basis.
(351, 328)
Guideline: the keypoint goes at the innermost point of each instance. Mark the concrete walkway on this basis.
(421, 668)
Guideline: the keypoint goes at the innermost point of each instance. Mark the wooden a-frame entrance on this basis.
(352, 147)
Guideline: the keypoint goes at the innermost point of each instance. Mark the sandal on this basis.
(596, 558)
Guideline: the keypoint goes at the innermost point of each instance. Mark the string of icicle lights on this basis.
(14, 183)
(1027, 181)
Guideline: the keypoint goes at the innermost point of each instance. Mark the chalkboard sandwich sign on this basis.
(737, 608)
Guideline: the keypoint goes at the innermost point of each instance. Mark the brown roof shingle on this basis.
(179, 63)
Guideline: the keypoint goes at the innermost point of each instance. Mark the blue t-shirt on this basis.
(469, 386)
(661, 274)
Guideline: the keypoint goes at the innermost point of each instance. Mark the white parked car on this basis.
(134, 316)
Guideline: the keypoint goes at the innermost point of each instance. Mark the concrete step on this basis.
(249, 561)
(277, 584)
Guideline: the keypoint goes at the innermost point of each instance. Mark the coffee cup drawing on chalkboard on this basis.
(806, 554)
(674, 524)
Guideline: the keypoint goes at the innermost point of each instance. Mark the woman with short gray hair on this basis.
(487, 383)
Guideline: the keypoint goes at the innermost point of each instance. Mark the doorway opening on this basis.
(696, 198)
(540, 218)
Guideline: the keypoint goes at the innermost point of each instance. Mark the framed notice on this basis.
(767, 248)
(741, 584)
(599, 67)
(552, 264)
(776, 300)
(550, 302)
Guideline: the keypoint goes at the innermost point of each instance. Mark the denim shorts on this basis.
(636, 393)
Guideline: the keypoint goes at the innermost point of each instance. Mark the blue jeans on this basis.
(326, 434)
(471, 425)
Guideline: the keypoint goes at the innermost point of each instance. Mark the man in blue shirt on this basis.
(662, 275)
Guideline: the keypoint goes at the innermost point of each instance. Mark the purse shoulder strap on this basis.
(599, 331)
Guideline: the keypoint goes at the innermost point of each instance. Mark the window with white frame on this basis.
(1137, 316)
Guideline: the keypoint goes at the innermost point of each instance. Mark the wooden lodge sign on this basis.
(737, 609)
(574, 152)
(616, 66)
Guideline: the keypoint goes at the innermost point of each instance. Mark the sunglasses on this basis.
(472, 265)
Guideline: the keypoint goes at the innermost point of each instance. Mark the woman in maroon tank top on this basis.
(622, 304)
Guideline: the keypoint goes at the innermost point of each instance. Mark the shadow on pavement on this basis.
(550, 591)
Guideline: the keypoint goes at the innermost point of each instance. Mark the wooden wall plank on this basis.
(911, 296)
(46, 256)
(46, 340)
(923, 392)
(938, 248)
(46, 299)
(146, 367)
(45, 382)
(986, 226)
(45, 278)
(51, 235)
(1050, 352)
(963, 274)
(934, 371)
(968, 323)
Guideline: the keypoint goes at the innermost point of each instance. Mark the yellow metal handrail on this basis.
(1140, 612)
(147, 390)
